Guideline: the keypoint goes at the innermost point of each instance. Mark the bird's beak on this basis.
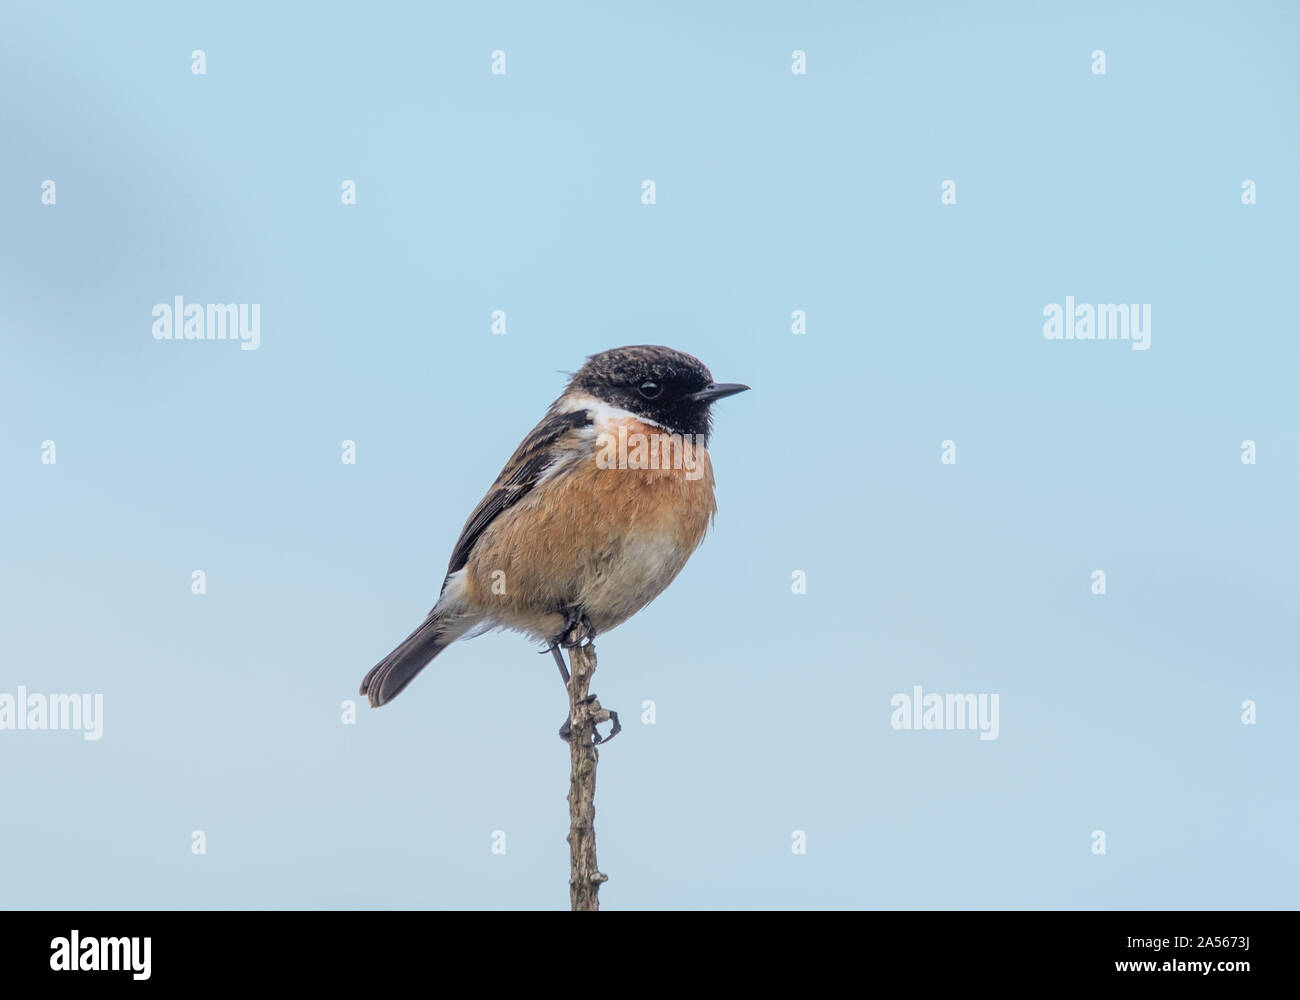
(718, 390)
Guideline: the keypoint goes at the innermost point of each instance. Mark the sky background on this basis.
(775, 192)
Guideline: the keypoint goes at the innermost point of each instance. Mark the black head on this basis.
(667, 387)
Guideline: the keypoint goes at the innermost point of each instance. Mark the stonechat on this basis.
(594, 515)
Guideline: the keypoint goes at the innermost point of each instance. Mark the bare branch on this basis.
(584, 713)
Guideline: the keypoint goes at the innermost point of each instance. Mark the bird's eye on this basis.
(651, 389)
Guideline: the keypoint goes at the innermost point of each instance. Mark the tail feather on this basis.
(389, 676)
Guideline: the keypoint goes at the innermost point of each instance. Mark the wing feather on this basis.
(520, 475)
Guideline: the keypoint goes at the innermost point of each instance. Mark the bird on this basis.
(593, 516)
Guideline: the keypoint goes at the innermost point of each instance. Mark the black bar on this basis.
(337, 948)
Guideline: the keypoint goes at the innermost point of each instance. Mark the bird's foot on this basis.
(577, 631)
(598, 715)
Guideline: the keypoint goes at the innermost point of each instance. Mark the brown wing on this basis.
(518, 477)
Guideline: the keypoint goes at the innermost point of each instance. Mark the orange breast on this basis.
(613, 529)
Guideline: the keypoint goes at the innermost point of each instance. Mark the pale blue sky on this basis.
(775, 192)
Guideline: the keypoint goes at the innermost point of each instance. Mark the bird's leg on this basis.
(554, 650)
(559, 662)
(578, 631)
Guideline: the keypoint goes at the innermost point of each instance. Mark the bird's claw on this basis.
(577, 630)
(576, 623)
(598, 716)
(599, 740)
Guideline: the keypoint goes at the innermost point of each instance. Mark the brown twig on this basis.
(584, 713)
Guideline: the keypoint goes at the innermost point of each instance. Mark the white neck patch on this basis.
(602, 412)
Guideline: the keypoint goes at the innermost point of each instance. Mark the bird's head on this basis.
(657, 384)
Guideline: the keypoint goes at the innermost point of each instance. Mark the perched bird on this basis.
(593, 516)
